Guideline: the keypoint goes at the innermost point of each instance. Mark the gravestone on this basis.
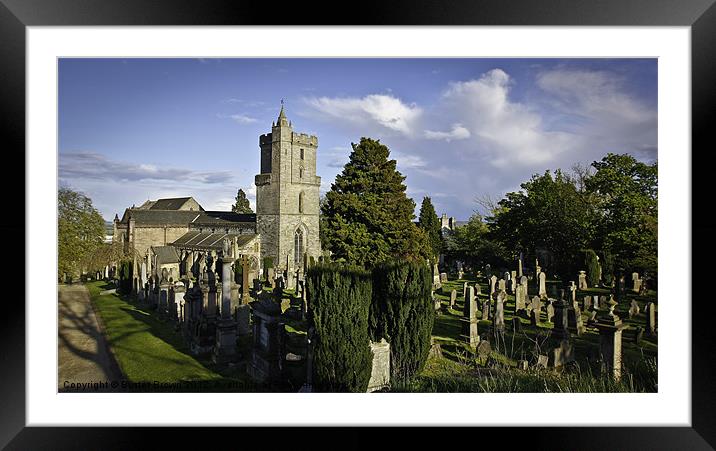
(650, 318)
(635, 282)
(453, 298)
(542, 361)
(486, 309)
(520, 296)
(519, 267)
(587, 303)
(561, 326)
(574, 320)
(603, 303)
(493, 285)
(225, 349)
(542, 278)
(572, 288)
(436, 277)
(469, 320)
(610, 343)
(443, 277)
(633, 309)
(265, 361)
(583, 280)
(464, 289)
(501, 285)
(478, 290)
(562, 354)
(380, 373)
(550, 310)
(498, 321)
(513, 281)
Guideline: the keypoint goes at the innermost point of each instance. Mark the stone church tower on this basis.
(287, 194)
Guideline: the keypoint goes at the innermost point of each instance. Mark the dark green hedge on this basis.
(402, 312)
(592, 263)
(339, 300)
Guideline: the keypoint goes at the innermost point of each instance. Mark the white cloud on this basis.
(384, 110)
(242, 118)
(511, 132)
(457, 132)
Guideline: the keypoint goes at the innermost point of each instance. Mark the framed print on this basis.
(360, 222)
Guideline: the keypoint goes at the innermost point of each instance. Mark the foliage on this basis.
(367, 217)
(80, 230)
(429, 222)
(402, 312)
(472, 244)
(339, 300)
(592, 264)
(242, 204)
(549, 212)
(626, 193)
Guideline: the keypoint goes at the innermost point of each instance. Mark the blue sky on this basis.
(138, 129)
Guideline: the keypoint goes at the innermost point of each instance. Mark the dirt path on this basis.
(83, 359)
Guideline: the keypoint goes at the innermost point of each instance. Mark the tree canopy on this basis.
(242, 204)
(367, 217)
(80, 231)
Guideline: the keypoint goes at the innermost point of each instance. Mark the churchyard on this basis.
(154, 354)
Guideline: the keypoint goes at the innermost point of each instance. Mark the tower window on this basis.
(300, 173)
(300, 202)
(301, 154)
(298, 246)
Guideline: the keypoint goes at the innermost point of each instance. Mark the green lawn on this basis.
(147, 348)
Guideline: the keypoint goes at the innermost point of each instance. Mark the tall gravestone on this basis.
(493, 285)
(651, 318)
(610, 343)
(469, 320)
(542, 279)
(499, 318)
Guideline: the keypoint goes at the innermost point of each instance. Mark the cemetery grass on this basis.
(459, 370)
(152, 355)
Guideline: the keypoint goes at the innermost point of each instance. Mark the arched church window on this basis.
(297, 246)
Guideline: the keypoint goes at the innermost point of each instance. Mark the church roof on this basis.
(219, 218)
(173, 203)
(165, 254)
(194, 239)
(159, 217)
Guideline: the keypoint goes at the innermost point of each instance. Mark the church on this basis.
(179, 236)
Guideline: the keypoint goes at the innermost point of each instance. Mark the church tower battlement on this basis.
(287, 195)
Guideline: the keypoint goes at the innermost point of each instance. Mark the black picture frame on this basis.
(700, 15)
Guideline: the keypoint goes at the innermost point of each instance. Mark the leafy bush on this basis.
(339, 299)
(402, 312)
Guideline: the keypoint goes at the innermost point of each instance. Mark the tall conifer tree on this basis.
(367, 216)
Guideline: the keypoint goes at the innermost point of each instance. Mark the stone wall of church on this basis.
(145, 237)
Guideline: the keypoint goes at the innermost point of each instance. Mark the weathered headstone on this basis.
(501, 285)
(469, 320)
(486, 309)
(650, 318)
(635, 282)
(464, 289)
(587, 303)
(550, 310)
(633, 309)
(443, 277)
(499, 318)
(561, 327)
(583, 280)
(380, 372)
(610, 343)
(493, 285)
(513, 281)
(542, 278)
(542, 361)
